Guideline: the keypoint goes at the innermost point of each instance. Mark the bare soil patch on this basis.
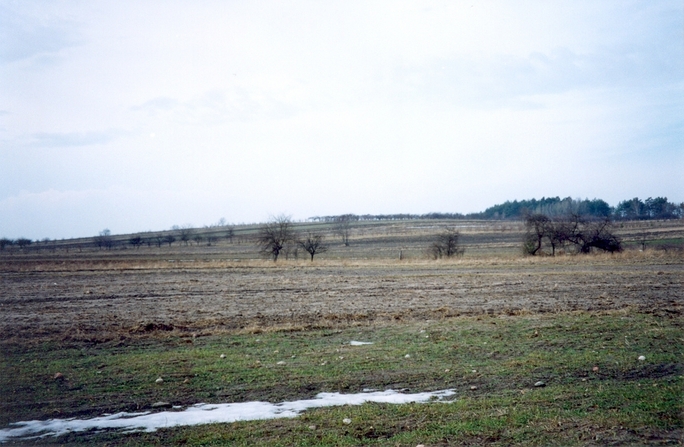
(102, 301)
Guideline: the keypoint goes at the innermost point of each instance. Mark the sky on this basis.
(142, 115)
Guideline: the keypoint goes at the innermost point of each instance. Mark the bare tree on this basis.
(4, 242)
(572, 230)
(185, 233)
(169, 239)
(313, 244)
(197, 238)
(136, 241)
(230, 234)
(23, 242)
(561, 231)
(536, 226)
(104, 239)
(597, 234)
(275, 235)
(342, 227)
(158, 240)
(447, 244)
(557, 232)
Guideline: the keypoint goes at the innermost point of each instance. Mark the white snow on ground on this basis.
(360, 343)
(208, 413)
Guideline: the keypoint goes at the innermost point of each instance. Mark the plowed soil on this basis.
(101, 301)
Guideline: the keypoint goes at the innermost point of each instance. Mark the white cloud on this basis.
(73, 138)
(24, 36)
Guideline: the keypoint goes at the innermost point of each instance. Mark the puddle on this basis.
(208, 414)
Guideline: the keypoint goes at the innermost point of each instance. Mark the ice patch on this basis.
(360, 343)
(208, 414)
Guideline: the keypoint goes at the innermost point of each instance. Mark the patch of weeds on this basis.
(594, 383)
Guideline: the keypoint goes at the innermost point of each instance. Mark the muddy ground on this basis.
(102, 301)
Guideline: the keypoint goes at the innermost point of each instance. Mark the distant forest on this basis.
(633, 209)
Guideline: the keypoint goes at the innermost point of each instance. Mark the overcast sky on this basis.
(140, 115)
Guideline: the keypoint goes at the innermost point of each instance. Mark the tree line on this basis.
(633, 209)
(105, 240)
(398, 216)
(557, 210)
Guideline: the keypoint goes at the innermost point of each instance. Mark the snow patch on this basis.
(208, 414)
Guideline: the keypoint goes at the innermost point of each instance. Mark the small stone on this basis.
(473, 387)
(161, 405)
(58, 376)
(223, 356)
(595, 368)
(447, 370)
(642, 358)
(539, 384)
(474, 371)
(420, 445)
(280, 363)
(159, 380)
(346, 421)
(341, 357)
(407, 356)
(312, 427)
(186, 381)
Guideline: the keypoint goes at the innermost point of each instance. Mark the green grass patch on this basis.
(596, 386)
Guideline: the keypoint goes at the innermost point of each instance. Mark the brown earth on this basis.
(97, 300)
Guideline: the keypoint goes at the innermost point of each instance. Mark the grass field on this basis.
(219, 325)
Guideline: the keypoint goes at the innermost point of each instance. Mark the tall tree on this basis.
(275, 235)
(313, 244)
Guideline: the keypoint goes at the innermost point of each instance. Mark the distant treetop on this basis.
(634, 209)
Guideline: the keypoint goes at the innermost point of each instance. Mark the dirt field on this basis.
(100, 300)
(84, 332)
(82, 292)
